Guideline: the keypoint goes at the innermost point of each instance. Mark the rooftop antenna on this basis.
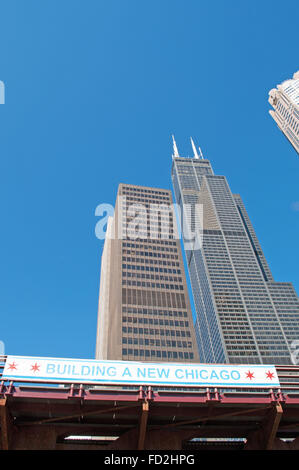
(200, 153)
(175, 149)
(195, 151)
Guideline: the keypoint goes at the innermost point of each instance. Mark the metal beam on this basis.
(142, 425)
(6, 424)
(272, 425)
(208, 417)
(81, 415)
(264, 437)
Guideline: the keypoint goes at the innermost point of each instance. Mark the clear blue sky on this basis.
(94, 90)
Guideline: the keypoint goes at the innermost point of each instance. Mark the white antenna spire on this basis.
(194, 149)
(175, 149)
(200, 153)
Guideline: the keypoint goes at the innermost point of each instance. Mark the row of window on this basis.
(147, 262)
(152, 269)
(139, 206)
(139, 246)
(147, 200)
(154, 312)
(153, 298)
(161, 244)
(264, 320)
(138, 232)
(140, 216)
(144, 191)
(147, 212)
(153, 277)
(158, 354)
(242, 353)
(239, 335)
(147, 253)
(156, 252)
(156, 321)
(148, 236)
(288, 117)
(156, 332)
(152, 285)
(157, 342)
(271, 350)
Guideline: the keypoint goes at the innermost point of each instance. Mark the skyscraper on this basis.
(144, 309)
(285, 101)
(242, 314)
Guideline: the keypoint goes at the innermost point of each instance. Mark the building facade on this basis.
(144, 309)
(285, 101)
(242, 314)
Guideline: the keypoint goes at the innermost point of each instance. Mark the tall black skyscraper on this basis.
(243, 315)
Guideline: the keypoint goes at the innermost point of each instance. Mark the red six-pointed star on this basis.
(35, 367)
(270, 375)
(249, 375)
(12, 366)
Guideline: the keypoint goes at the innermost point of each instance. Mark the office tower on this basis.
(242, 314)
(285, 101)
(144, 308)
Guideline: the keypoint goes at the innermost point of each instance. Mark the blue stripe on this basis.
(162, 364)
(150, 382)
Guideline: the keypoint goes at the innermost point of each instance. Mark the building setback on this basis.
(144, 309)
(242, 314)
(285, 101)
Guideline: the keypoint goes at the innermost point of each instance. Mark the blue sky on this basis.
(94, 89)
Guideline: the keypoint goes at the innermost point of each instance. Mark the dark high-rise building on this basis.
(242, 314)
(144, 309)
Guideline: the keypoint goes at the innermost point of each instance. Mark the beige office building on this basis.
(144, 310)
(285, 101)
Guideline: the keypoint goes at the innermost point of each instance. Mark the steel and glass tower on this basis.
(242, 314)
